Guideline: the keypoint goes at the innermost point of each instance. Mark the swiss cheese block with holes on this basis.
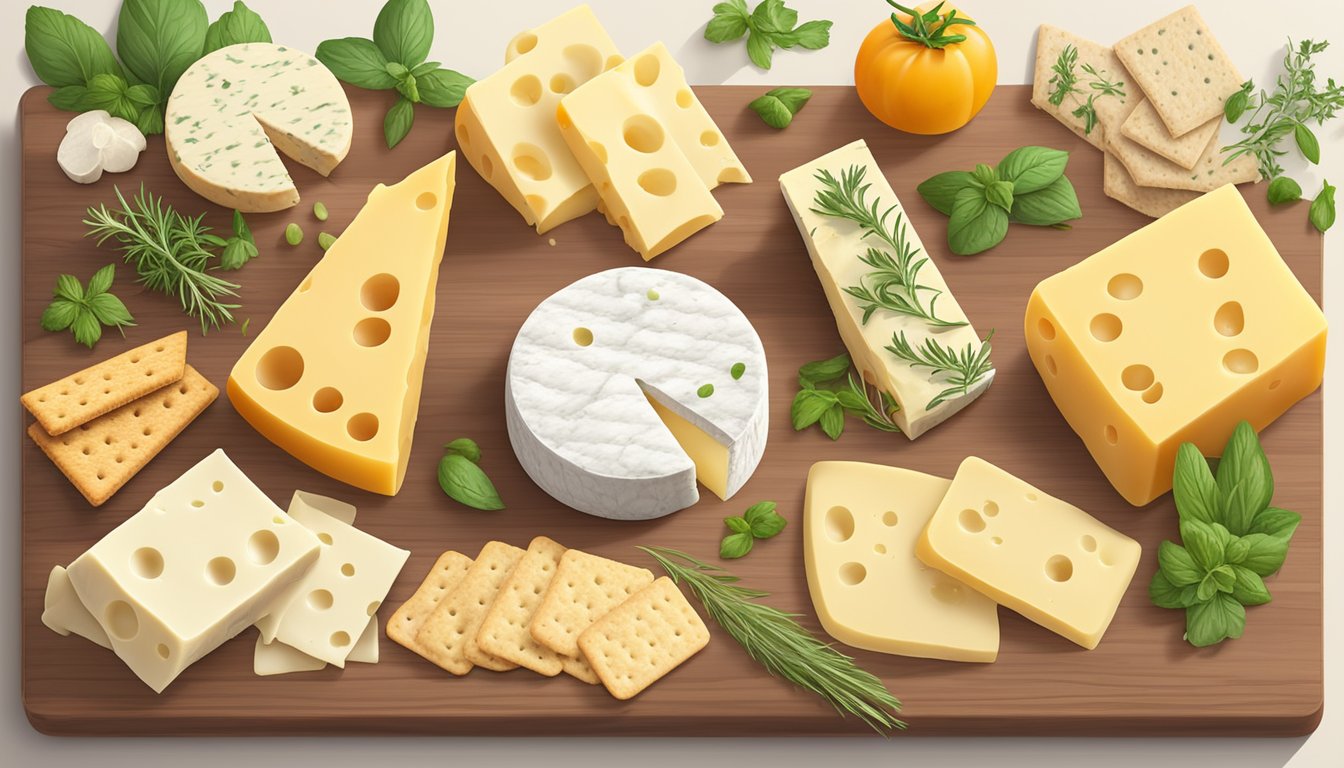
(837, 248)
(651, 149)
(625, 388)
(236, 110)
(505, 125)
(1030, 552)
(367, 307)
(200, 563)
(1175, 334)
(326, 611)
(860, 525)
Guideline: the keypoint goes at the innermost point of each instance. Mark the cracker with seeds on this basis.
(1050, 44)
(503, 633)
(447, 572)
(1150, 201)
(85, 395)
(1145, 128)
(99, 457)
(452, 628)
(585, 587)
(643, 639)
(1182, 70)
(1210, 172)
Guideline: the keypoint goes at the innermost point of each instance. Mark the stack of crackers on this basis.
(103, 424)
(551, 610)
(1161, 136)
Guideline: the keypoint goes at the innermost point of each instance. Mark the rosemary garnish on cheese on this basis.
(964, 368)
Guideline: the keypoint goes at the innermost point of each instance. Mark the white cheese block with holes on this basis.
(201, 562)
(236, 110)
(327, 611)
(835, 246)
(607, 395)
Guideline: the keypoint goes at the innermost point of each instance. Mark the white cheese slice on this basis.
(835, 246)
(192, 569)
(277, 658)
(366, 647)
(608, 394)
(64, 614)
(233, 109)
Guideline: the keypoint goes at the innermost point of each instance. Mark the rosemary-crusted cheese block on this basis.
(627, 386)
(506, 125)
(651, 149)
(335, 376)
(235, 108)
(899, 320)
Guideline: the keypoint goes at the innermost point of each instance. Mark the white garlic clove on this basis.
(80, 160)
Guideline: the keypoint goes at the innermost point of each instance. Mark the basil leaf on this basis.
(1193, 487)
(1175, 561)
(1047, 207)
(86, 328)
(59, 315)
(758, 510)
(1238, 509)
(101, 281)
(1215, 620)
(1307, 143)
(759, 49)
(408, 88)
(1283, 190)
(808, 407)
(941, 191)
(1032, 168)
(773, 16)
(1265, 554)
(1322, 213)
(397, 123)
(1203, 543)
(1163, 593)
(1276, 522)
(1237, 550)
(159, 39)
(424, 68)
(466, 483)
(729, 22)
(63, 50)
(1223, 578)
(1236, 104)
(69, 288)
(811, 35)
(150, 120)
(851, 400)
(1207, 588)
(240, 228)
(984, 174)
(108, 310)
(772, 111)
(236, 253)
(764, 521)
(357, 61)
(821, 371)
(1000, 193)
(68, 97)
(737, 525)
(397, 70)
(833, 421)
(465, 447)
(404, 30)
(975, 226)
(443, 88)
(1243, 464)
(142, 95)
(735, 545)
(240, 25)
(1248, 588)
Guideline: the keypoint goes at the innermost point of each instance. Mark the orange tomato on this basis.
(920, 83)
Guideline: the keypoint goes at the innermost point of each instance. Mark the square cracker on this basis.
(1210, 172)
(1181, 68)
(405, 623)
(85, 395)
(101, 456)
(1150, 201)
(1050, 43)
(585, 587)
(504, 631)
(644, 638)
(451, 629)
(1145, 128)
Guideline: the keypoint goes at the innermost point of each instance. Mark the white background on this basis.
(470, 36)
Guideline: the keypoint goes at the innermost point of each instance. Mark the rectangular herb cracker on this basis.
(1145, 128)
(1150, 201)
(1149, 169)
(1046, 85)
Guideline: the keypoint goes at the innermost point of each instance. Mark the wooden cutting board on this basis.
(1142, 679)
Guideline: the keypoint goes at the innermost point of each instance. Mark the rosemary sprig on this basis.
(859, 402)
(893, 284)
(171, 253)
(1065, 82)
(964, 368)
(780, 644)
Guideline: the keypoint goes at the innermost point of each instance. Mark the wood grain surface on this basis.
(1142, 679)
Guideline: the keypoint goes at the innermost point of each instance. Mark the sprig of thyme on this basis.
(1065, 82)
(964, 368)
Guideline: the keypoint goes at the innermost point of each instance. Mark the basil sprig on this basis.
(1027, 187)
(395, 60)
(770, 25)
(760, 521)
(1232, 539)
(463, 480)
(778, 106)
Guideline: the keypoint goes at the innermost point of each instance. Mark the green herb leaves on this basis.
(827, 389)
(1232, 539)
(1028, 187)
(963, 369)
(239, 249)
(1064, 82)
(395, 59)
(1283, 190)
(464, 481)
(769, 26)
(778, 106)
(760, 521)
(240, 25)
(1322, 212)
(86, 311)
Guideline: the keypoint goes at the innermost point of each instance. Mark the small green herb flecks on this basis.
(705, 390)
(652, 294)
(737, 370)
(320, 211)
(325, 240)
(293, 233)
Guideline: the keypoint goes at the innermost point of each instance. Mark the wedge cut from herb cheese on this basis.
(620, 394)
(885, 344)
(236, 110)
(506, 125)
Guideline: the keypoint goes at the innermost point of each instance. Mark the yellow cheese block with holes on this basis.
(505, 125)
(860, 525)
(334, 378)
(1175, 334)
(1030, 552)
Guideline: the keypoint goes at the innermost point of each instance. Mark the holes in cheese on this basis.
(221, 571)
(120, 620)
(147, 563)
(1229, 320)
(263, 547)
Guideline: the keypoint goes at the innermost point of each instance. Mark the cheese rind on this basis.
(861, 523)
(202, 561)
(367, 307)
(1175, 334)
(1030, 552)
(584, 367)
(233, 109)
(505, 125)
(835, 247)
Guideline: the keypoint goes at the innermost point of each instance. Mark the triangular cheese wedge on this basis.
(334, 379)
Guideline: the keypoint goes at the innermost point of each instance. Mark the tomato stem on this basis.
(931, 27)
